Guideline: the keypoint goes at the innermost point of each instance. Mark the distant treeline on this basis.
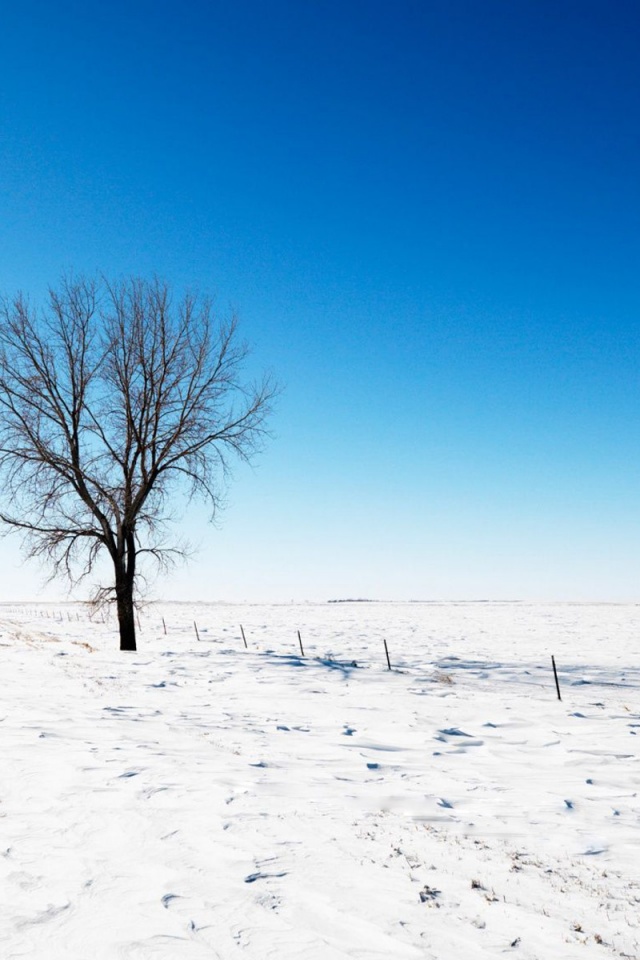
(355, 600)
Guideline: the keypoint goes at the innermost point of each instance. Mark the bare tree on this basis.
(113, 400)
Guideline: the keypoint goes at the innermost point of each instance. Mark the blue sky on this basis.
(427, 217)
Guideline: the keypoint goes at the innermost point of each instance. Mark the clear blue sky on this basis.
(427, 215)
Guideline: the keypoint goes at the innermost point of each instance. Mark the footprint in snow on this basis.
(168, 897)
(428, 894)
(263, 876)
(458, 738)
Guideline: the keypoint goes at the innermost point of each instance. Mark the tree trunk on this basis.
(126, 615)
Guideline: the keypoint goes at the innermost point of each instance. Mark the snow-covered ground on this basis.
(197, 800)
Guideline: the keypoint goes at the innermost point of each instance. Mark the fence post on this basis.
(555, 673)
(386, 650)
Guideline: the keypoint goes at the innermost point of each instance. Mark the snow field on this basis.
(200, 800)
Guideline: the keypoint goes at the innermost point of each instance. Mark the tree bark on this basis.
(126, 615)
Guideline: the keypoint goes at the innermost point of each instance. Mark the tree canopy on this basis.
(115, 398)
